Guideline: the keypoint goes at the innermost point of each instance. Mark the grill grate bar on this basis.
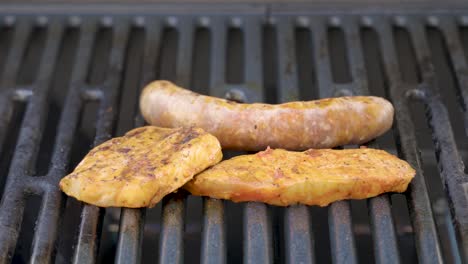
(383, 229)
(85, 249)
(449, 29)
(67, 125)
(12, 205)
(91, 216)
(451, 171)
(257, 227)
(46, 227)
(448, 158)
(257, 234)
(456, 55)
(343, 247)
(258, 237)
(218, 57)
(299, 241)
(288, 84)
(28, 141)
(130, 235)
(172, 233)
(20, 40)
(214, 234)
(171, 246)
(426, 238)
(132, 220)
(384, 238)
(320, 48)
(355, 57)
(7, 80)
(253, 32)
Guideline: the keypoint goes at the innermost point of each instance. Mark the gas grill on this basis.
(70, 77)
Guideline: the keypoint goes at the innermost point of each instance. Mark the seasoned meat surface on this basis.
(140, 168)
(314, 177)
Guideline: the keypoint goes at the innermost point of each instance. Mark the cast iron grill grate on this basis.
(71, 81)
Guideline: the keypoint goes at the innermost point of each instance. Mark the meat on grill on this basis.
(140, 168)
(313, 177)
(322, 123)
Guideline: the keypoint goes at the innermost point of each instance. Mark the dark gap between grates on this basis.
(270, 63)
(403, 228)
(100, 57)
(67, 235)
(84, 136)
(57, 95)
(130, 90)
(338, 55)
(431, 174)
(167, 56)
(235, 56)
(23, 247)
(194, 204)
(406, 56)
(166, 70)
(379, 87)
(193, 228)
(448, 87)
(321, 233)
(152, 232)
(308, 89)
(234, 224)
(32, 56)
(201, 61)
(71, 216)
(276, 214)
(302, 50)
(109, 236)
(10, 140)
(6, 34)
(463, 32)
(361, 230)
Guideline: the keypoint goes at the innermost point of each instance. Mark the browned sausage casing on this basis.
(303, 125)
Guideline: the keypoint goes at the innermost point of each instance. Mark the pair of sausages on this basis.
(324, 123)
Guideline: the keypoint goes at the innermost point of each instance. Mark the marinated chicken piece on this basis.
(140, 168)
(313, 177)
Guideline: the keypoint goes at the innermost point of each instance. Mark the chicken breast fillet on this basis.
(140, 168)
(313, 177)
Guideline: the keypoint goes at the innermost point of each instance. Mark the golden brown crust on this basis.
(313, 177)
(140, 168)
(322, 123)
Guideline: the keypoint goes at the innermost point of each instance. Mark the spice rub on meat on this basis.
(140, 168)
(312, 177)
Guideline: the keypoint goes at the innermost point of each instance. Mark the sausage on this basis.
(314, 177)
(324, 123)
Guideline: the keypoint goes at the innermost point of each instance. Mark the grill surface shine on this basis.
(68, 82)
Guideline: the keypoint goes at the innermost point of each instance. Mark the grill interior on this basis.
(68, 82)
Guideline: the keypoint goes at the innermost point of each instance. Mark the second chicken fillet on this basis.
(313, 177)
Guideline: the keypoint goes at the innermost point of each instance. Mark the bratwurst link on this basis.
(322, 123)
(313, 177)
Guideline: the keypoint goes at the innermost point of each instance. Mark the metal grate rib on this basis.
(300, 244)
